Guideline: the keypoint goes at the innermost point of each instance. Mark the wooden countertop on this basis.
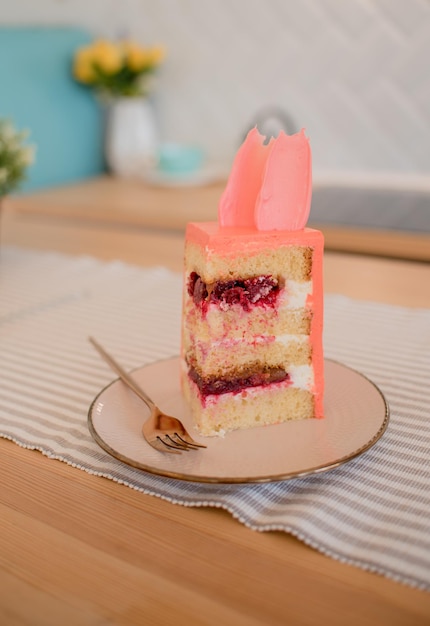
(129, 204)
(80, 550)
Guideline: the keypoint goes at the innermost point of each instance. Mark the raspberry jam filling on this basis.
(256, 291)
(218, 386)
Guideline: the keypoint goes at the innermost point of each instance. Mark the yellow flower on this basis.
(107, 56)
(136, 57)
(156, 55)
(117, 68)
(83, 66)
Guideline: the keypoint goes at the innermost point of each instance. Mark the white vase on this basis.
(131, 137)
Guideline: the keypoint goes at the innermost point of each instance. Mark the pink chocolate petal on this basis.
(285, 197)
(237, 203)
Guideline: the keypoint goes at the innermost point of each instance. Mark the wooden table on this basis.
(135, 204)
(81, 550)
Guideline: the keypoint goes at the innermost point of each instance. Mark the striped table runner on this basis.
(373, 512)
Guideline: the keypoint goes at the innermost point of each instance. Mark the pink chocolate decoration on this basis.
(236, 207)
(284, 200)
(270, 186)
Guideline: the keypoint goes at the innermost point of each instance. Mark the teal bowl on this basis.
(180, 159)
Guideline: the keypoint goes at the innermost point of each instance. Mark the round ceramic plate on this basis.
(356, 417)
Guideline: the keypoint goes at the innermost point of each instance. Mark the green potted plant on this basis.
(15, 158)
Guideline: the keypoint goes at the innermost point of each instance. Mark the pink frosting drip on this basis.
(270, 185)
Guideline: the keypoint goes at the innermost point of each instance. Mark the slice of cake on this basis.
(253, 306)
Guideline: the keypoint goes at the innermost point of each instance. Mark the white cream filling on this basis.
(296, 294)
(302, 376)
(260, 339)
(286, 339)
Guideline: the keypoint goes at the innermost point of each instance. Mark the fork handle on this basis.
(124, 376)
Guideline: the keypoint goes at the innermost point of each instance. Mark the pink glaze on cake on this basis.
(234, 241)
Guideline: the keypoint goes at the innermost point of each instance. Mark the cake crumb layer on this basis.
(222, 254)
(259, 406)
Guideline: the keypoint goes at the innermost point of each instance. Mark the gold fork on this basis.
(161, 431)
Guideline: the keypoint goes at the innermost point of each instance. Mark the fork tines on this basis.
(179, 443)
